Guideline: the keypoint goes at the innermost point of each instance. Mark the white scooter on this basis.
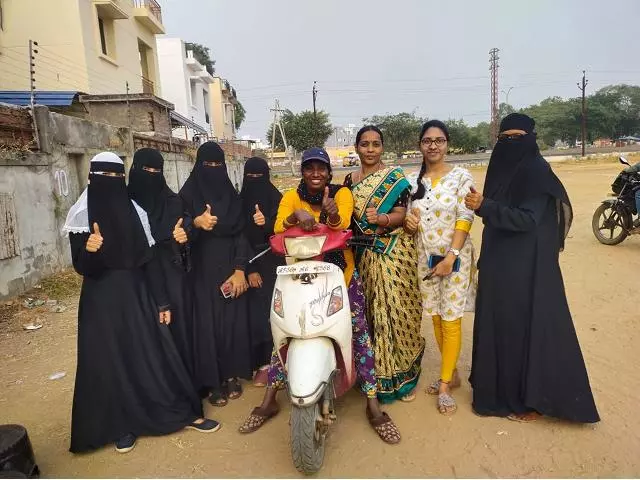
(311, 328)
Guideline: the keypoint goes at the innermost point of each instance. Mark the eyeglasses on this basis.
(510, 136)
(427, 142)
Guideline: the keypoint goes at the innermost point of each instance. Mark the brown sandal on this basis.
(525, 417)
(385, 428)
(257, 419)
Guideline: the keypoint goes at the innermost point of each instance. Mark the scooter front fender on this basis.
(310, 364)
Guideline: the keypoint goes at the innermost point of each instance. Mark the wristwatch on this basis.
(455, 252)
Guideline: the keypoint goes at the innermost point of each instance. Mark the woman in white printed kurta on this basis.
(443, 224)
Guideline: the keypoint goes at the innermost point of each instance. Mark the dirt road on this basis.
(603, 289)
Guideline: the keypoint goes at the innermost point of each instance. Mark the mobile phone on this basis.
(226, 290)
(435, 260)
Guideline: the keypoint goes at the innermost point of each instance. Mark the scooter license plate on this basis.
(302, 269)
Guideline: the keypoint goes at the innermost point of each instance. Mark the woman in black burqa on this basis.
(149, 189)
(526, 356)
(219, 255)
(260, 200)
(130, 380)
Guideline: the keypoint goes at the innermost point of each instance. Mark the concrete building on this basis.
(185, 83)
(38, 186)
(89, 46)
(223, 102)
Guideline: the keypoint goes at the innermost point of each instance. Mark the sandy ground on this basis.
(602, 286)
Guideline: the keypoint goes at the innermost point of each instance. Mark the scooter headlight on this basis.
(336, 301)
(277, 303)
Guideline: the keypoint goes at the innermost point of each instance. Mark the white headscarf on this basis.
(78, 217)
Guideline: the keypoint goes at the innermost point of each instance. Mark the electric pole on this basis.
(583, 89)
(315, 95)
(493, 66)
(277, 123)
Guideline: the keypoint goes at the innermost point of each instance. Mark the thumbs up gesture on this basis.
(412, 220)
(206, 221)
(473, 200)
(95, 239)
(179, 235)
(258, 218)
(329, 204)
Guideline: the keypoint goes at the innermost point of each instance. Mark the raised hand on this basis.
(329, 204)
(258, 217)
(179, 235)
(206, 221)
(94, 242)
(473, 200)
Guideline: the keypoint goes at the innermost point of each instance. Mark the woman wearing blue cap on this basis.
(316, 200)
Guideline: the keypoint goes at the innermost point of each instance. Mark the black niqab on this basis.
(517, 173)
(210, 185)
(151, 192)
(125, 244)
(258, 191)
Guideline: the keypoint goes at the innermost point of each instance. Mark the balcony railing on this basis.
(153, 6)
(147, 86)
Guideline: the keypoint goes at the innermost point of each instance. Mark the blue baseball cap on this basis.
(316, 153)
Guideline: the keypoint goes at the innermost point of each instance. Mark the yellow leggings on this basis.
(449, 338)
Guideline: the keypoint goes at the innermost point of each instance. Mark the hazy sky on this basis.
(379, 56)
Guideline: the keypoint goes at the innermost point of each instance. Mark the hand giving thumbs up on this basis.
(95, 239)
(258, 218)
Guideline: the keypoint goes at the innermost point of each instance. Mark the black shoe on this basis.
(126, 443)
(208, 426)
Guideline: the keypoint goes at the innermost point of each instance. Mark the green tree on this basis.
(239, 114)
(505, 109)
(203, 55)
(401, 130)
(303, 130)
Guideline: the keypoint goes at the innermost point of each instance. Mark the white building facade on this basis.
(185, 83)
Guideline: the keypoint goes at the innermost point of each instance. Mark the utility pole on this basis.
(493, 66)
(583, 89)
(315, 95)
(32, 89)
(277, 122)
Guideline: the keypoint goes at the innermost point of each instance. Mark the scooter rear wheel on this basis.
(307, 438)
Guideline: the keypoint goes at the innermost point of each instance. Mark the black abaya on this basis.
(261, 192)
(150, 190)
(526, 355)
(129, 379)
(222, 344)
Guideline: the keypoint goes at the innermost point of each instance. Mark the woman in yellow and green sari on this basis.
(387, 262)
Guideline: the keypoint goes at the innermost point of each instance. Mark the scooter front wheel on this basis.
(307, 438)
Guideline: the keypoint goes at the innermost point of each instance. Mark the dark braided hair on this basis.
(423, 168)
(369, 128)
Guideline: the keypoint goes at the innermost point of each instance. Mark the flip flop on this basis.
(257, 419)
(409, 397)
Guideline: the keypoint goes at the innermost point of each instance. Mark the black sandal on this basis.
(218, 399)
(234, 389)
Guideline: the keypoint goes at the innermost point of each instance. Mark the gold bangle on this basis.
(388, 220)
